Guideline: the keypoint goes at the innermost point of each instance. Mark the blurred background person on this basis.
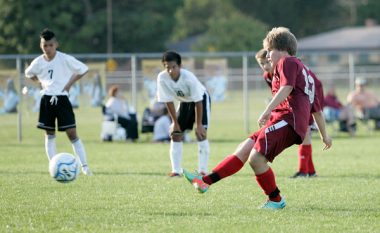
(116, 104)
(11, 98)
(334, 111)
(161, 127)
(365, 102)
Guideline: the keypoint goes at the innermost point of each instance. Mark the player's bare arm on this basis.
(280, 96)
(321, 123)
(34, 78)
(200, 131)
(72, 80)
(175, 132)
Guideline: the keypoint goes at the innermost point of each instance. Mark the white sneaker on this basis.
(86, 170)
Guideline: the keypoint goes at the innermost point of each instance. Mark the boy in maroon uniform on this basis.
(283, 123)
(305, 162)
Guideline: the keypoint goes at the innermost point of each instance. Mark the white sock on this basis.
(79, 151)
(50, 147)
(176, 156)
(203, 155)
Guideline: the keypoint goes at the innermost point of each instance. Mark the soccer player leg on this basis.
(265, 178)
(50, 144)
(203, 156)
(304, 156)
(176, 150)
(79, 150)
(230, 164)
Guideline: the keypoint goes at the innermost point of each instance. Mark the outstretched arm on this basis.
(200, 131)
(173, 115)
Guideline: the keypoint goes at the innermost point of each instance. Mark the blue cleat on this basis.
(272, 205)
(196, 180)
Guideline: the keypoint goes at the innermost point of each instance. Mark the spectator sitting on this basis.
(365, 102)
(161, 127)
(334, 110)
(150, 116)
(119, 106)
(11, 98)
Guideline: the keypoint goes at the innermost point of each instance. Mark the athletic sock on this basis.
(229, 166)
(311, 164)
(176, 156)
(79, 150)
(50, 146)
(304, 152)
(267, 182)
(203, 155)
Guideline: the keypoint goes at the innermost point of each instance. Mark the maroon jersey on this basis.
(268, 78)
(296, 108)
(319, 97)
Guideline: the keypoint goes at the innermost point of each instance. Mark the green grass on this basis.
(130, 191)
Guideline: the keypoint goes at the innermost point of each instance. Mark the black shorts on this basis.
(51, 110)
(186, 113)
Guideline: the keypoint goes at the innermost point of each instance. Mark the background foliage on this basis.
(148, 26)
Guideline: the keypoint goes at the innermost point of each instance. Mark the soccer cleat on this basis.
(299, 175)
(86, 170)
(174, 174)
(313, 175)
(197, 181)
(272, 205)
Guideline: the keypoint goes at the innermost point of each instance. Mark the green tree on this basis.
(81, 26)
(237, 32)
(22, 21)
(368, 10)
(219, 25)
(303, 17)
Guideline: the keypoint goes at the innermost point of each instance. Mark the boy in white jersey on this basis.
(175, 83)
(57, 72)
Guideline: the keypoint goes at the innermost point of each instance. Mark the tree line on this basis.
(83, 26)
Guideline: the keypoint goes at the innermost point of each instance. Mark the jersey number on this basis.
(180, 93)
(51, 73)
(309, 86)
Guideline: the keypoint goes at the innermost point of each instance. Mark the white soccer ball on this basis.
(64, 167)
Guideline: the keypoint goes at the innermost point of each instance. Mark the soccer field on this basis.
(130, 190)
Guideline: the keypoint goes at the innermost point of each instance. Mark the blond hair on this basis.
(281, 39)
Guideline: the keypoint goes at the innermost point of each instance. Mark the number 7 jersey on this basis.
(55, 74)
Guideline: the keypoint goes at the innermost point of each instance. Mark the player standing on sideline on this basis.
(57, 72)
(305, 161)
(176, 83)
(283, 123)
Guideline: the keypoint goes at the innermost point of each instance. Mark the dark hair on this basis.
(47, 34)
(171, 56)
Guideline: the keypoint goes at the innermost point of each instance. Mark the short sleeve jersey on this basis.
(55, 74)
(319, 96)
(186, 89)
(268, 78)
(296, 108)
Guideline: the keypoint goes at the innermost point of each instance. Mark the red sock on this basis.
(311, 164)
(267, 183)
(304, 153)
(229, 166)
